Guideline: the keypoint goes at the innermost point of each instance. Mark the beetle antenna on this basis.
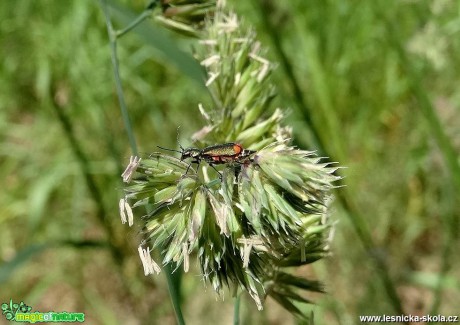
(180, 146)
(169, 149)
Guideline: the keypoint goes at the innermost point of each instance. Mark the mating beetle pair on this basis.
(215, 155)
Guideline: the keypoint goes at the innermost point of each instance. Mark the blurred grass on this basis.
(361, 103)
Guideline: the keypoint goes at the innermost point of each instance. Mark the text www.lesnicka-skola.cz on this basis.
(409, 318)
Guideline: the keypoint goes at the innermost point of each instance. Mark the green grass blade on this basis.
(344, 197)
(24, 255)
(446, 147)
(174, 280)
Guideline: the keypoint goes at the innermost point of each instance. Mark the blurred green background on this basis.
(376, 82)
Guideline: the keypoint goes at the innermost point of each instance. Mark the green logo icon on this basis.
(10, 310)
(22, 313)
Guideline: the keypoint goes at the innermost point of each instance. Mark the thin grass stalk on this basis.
(415, 82)
(121, 98)
(158, 40)
(345, 200)
(144, 15)
(83, 161)
(445, 268)
(173, 287)
(236, 310)
(445, 145)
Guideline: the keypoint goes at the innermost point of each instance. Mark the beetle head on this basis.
(190, 153)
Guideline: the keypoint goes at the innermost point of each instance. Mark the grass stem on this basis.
(236, 310)
(173, 284)
(144, 15)
(121, 98)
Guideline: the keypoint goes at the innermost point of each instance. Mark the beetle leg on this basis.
(244, 162)
(218, 172)
(190, 165)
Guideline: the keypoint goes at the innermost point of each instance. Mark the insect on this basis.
(215, 155)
